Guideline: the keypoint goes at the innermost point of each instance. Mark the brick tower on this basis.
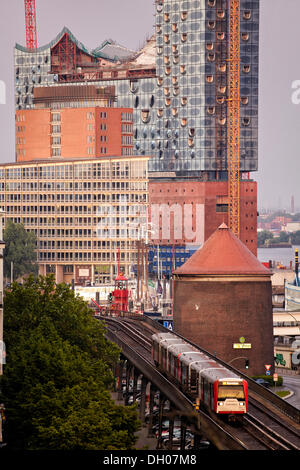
(223, 303)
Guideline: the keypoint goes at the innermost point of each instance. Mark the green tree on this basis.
(58, 374)
(20, 247)
(295, 237)
(283, 237)
(263, 236)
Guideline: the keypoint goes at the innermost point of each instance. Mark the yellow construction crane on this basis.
(233, 101)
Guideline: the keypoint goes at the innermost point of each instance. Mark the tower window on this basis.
(211, 110)
(245, 36)
(184, 15)
(247, 15)
(246, 68)
(211, 57)
(145, 115)
(246, 121)
(184, 37)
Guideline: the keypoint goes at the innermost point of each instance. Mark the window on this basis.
(246, 68)
(221, 207)
(247, 15)
(221, 14)
(184, 15)
(184, 37)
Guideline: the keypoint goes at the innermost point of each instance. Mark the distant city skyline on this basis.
(130, 23)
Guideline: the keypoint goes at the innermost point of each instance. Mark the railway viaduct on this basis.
(133, 336)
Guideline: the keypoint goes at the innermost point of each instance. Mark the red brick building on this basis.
(189, 211)
(223, 302)
(73, 122)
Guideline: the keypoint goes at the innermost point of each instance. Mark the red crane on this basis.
(30, 21)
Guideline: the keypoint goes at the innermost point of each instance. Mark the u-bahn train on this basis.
(210, 384)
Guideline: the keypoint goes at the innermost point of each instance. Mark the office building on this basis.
(86, 213)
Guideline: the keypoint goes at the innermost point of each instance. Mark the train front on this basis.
(231, 396)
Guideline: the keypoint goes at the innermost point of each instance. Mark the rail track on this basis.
(261, 429)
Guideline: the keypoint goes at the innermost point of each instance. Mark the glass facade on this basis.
(191, 107)
(180, 116)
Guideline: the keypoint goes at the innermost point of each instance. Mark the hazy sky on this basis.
(129, 22)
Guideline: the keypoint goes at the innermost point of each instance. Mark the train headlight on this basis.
(221, 403)
(241, 403)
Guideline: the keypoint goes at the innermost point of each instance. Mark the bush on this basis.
(269, 378)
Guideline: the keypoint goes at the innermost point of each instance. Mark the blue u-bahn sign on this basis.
(168, 324)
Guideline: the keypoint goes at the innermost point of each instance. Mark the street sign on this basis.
(275, 377)
(268, 366)
(168, 324)
(268, 372)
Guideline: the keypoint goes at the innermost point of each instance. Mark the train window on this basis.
(179, 371)
(202, 389)
(169, 364)
(211, 396)
(206, 392)
(231, 391)
(184, 374)
(173, 369)
(164, 358)
(193, 379)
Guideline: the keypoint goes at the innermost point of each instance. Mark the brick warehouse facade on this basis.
(205, 204)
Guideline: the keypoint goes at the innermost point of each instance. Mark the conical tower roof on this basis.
(223, 254)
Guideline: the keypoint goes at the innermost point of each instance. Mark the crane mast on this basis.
(234, 116)
(30, 22)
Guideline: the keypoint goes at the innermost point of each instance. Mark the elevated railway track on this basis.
(271, 423)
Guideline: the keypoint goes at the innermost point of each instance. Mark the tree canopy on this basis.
(57, 378)
(20, 247)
